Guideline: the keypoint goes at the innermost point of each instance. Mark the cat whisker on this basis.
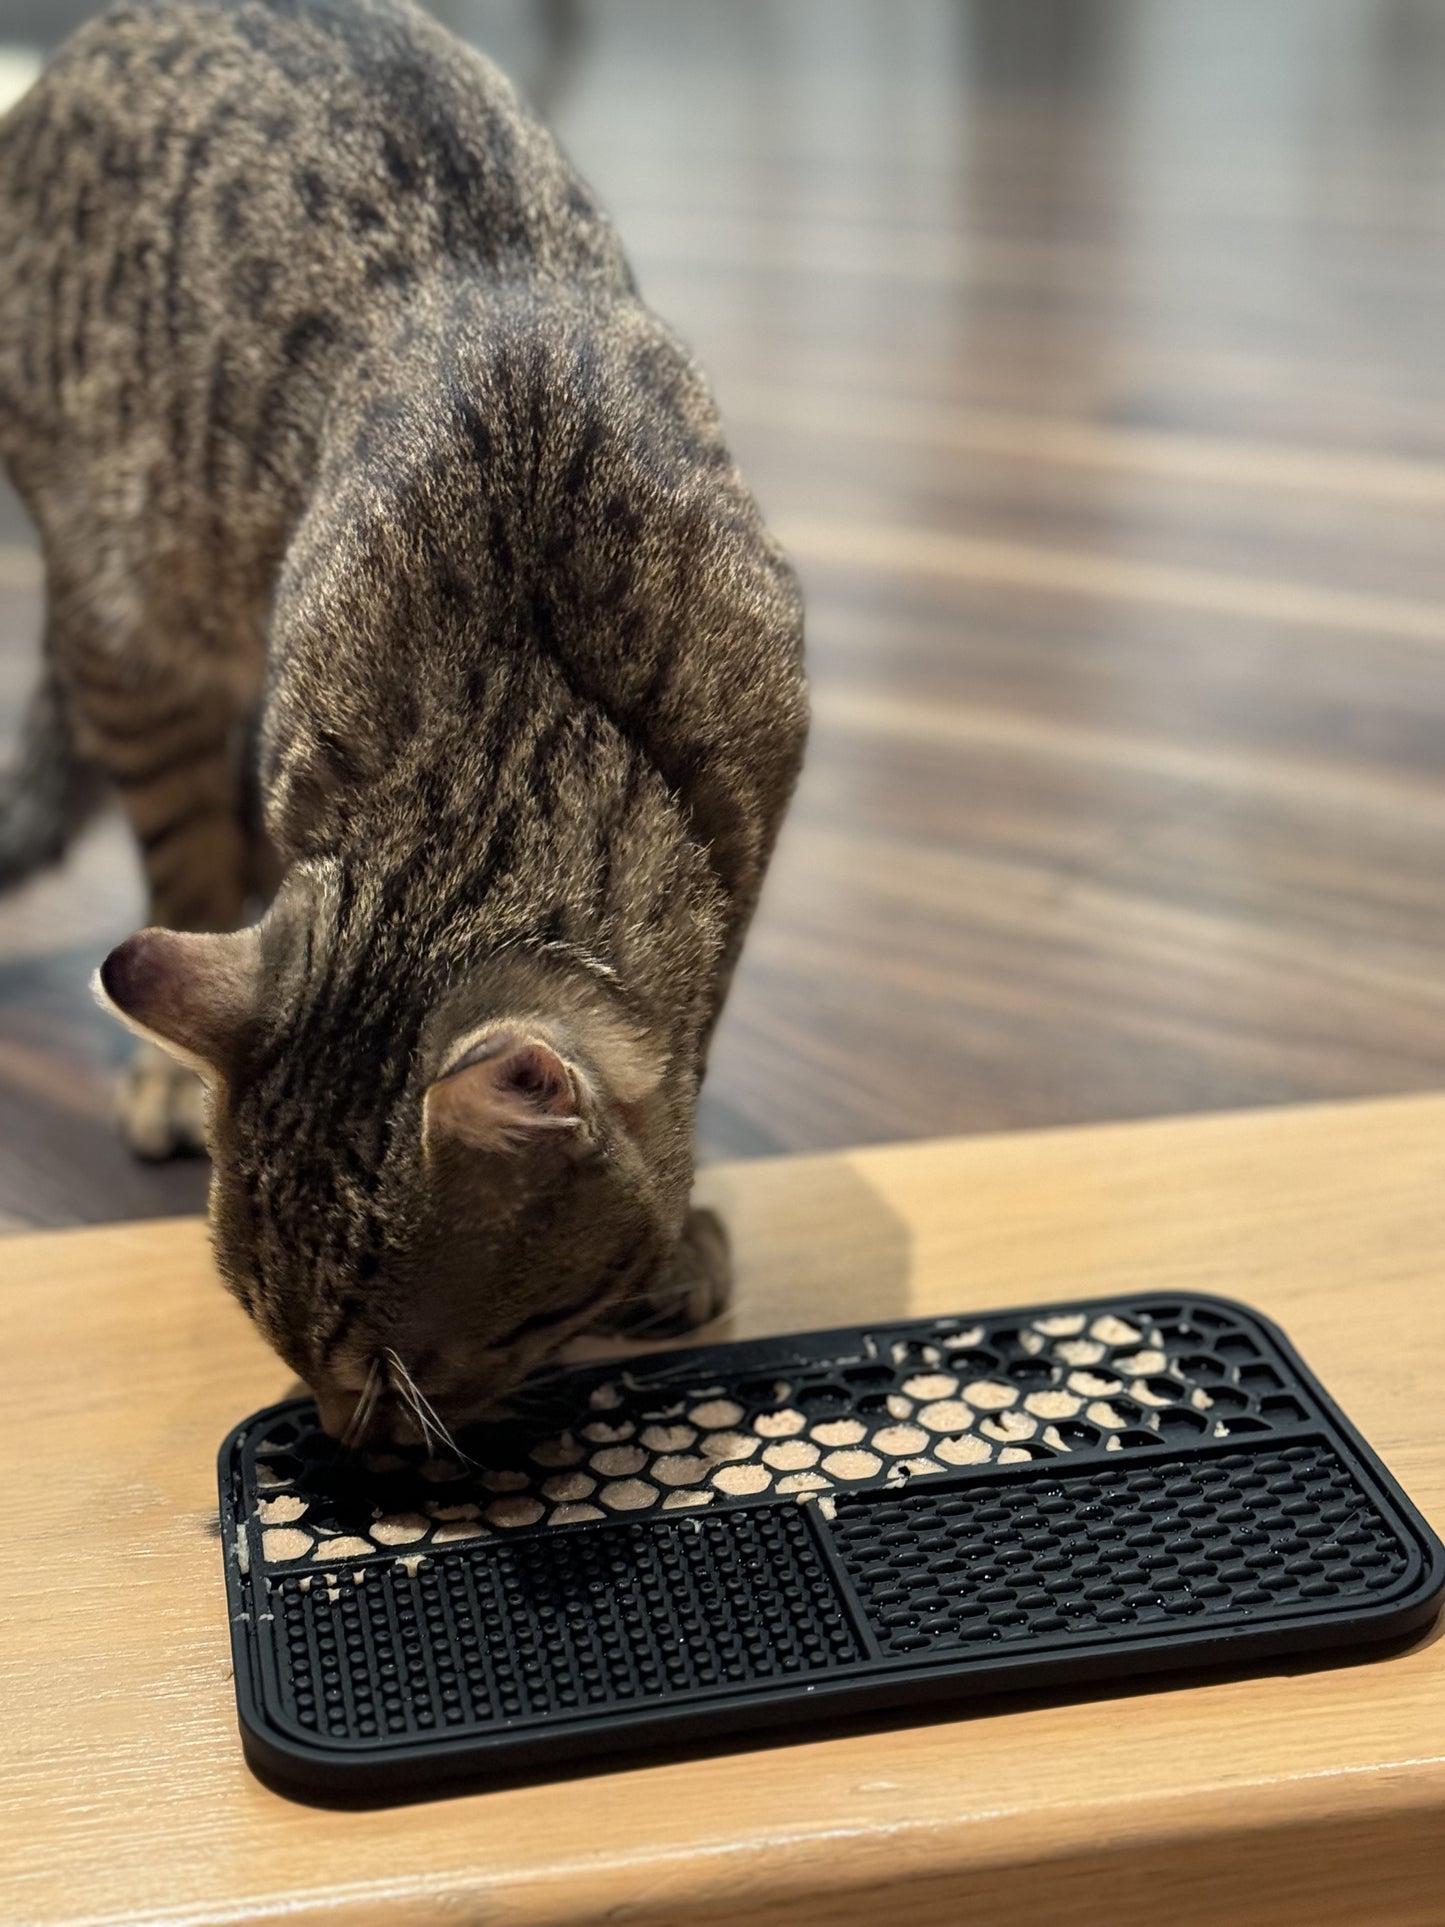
(430, 1442)
(353, 1424)
(423, 1424)
(436, 1418)
(364, 1410)
(422, 1410)
(376, 1384)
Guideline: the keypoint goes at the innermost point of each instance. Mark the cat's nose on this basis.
(336, 1408)
(386, 1421)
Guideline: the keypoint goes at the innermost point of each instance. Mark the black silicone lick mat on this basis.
(693, 1543)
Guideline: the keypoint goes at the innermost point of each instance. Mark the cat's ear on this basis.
(505, 1090)
(190, 994)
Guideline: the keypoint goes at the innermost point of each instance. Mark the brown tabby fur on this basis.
(337, 410)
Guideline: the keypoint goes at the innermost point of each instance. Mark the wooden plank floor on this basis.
(1087, 356)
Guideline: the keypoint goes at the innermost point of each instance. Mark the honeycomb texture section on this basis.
(555, 1625)
(1204, 1543)
(887, 1406)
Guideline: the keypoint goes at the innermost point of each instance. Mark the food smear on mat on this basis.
(918, 1405)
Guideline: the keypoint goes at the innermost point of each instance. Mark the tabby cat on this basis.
(398, 576)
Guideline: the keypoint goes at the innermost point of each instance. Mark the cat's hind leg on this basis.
(48, 794)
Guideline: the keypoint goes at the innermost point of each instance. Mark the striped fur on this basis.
(330, 391)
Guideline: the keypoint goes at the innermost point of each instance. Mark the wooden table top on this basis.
(1313, 1795)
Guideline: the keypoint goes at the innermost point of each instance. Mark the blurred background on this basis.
(1089, 355)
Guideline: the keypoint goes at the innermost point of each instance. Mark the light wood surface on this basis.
(1315, 1796)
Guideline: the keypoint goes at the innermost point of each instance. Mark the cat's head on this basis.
(424, 1183)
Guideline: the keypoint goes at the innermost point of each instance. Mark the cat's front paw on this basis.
(696, 1288)
(162, 1107)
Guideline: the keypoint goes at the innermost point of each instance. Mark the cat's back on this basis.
(259, 174)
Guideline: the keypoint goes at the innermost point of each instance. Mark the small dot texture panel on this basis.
(559, 1624)
(1226, 1540)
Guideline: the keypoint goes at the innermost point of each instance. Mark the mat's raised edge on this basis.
(317, 1768)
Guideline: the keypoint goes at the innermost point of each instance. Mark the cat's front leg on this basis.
(185, 809)
(692, 1290)
(161, 721)
(162, 1106)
